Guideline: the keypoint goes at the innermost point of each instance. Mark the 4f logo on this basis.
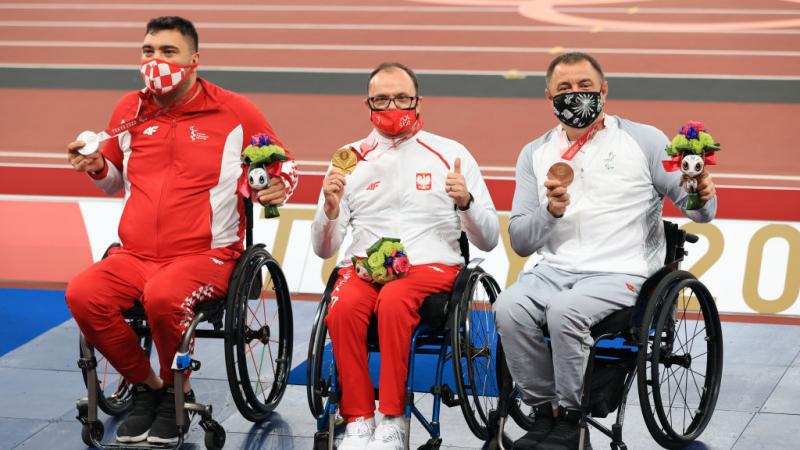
(374, 185)
(151, 130)
(423, 181)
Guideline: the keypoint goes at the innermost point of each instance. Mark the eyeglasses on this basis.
(382, 102)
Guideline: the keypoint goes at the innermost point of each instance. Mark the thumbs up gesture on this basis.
(456, 187)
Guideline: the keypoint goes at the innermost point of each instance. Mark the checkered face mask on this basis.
(162, 77)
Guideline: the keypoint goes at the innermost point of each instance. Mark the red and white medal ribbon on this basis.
(93, 139)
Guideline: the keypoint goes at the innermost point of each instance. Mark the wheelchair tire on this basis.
(317, 382)
(114, 394)
(258, 359)
(680, 364)
(517, 412)
(516, 408)
(473, 340)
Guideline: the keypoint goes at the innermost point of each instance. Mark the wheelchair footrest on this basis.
(449, 397)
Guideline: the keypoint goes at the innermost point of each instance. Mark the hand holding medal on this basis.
(344, 162)
(84, 159)
(561, 175)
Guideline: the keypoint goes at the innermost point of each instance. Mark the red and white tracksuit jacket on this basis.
(182, 223)
(397, 190)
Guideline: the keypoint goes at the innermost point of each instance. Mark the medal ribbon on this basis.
(143, 118)
(577, 145)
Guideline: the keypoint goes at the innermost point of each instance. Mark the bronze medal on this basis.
(562, 172)
(345, 159)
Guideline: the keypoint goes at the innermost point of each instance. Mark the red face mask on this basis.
(162, 77)
(394, 122)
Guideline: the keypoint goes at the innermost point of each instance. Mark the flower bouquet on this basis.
(691, 150)
(386, 260)
(264, 159)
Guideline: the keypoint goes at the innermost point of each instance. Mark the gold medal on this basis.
(562, 172)
(345, 159)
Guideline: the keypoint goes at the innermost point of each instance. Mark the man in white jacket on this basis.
(600, 235)
(407, 184)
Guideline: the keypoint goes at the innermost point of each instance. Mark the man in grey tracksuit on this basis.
(600, 236)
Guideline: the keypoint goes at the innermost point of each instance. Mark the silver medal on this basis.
(92, 141)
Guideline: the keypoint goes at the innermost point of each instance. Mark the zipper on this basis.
(172, 136)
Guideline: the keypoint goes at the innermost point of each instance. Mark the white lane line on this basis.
(367, 70)
(311, 163)
(412, 48)
(239, 7)
(364, 27)
(689, 11)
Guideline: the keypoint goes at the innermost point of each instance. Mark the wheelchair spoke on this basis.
(253, 316)
(254, 364)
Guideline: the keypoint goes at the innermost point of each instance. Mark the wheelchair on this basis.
(670, 341)
(456, 326)
(255, 322)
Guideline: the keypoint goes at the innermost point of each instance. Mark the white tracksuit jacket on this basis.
(398, 190)
(613, 221)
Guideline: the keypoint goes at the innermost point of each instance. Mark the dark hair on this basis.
(185, 27)
(396, 66)
(572, 58)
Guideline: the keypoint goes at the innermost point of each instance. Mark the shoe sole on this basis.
(133, 439)
(160, 440)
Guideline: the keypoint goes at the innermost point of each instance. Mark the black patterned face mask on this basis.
(577, 109)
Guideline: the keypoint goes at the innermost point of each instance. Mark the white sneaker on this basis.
(389, 435)
(357, 434)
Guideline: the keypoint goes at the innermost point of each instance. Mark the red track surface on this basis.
(754, 136)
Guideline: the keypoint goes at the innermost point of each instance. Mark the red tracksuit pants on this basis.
(353, 302)
(167, 289)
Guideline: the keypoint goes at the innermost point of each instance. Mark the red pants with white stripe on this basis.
(353, 302)
(167, 289)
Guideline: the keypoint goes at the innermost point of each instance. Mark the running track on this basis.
(749, 40)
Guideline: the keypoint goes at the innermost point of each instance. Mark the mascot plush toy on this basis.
(691, 150)
(264, 159)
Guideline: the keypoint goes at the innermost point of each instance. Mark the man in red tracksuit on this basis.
(182, 224)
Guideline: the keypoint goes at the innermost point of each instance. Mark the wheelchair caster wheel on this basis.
(321, 440)
(92, 430)
(432, 444)
(215, 436)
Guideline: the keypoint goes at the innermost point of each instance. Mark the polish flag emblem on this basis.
(423, 181)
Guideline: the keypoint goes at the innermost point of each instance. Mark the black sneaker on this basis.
(143, 411)
(164, 429)
(542, 424)
(565, 434)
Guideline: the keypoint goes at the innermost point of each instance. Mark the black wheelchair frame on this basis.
(445, 331)
(648, 332)
(229, 319)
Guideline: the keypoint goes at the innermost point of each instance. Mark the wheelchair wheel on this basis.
(681, 369)
(521, 413)
(258, 334)
(114, 394)
(317, 378)
(474, 343)
(516, 408)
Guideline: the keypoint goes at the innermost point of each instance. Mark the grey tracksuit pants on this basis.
(569, 303)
